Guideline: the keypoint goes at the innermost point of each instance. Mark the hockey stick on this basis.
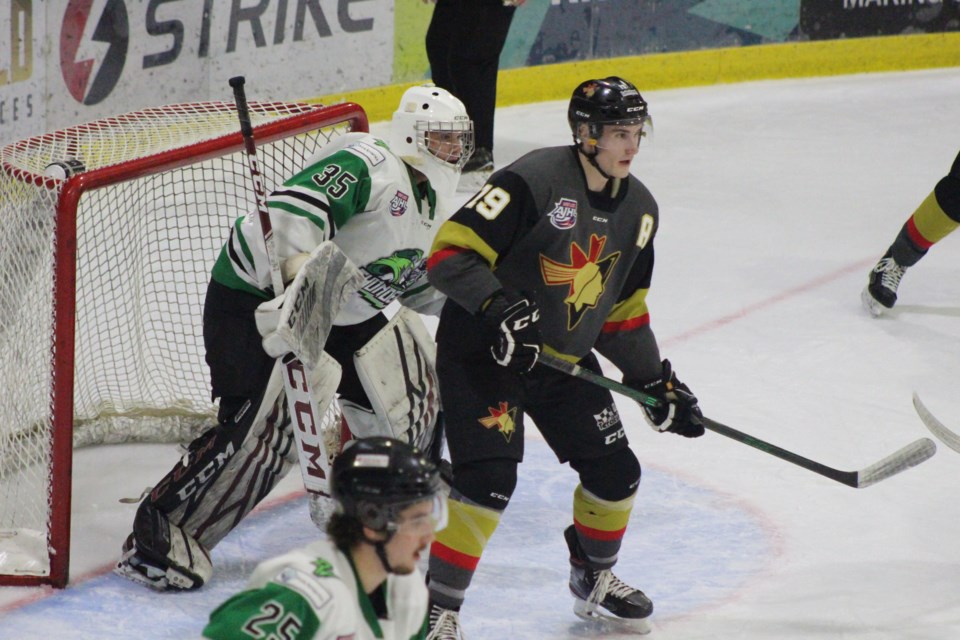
(303, 405)
(946, 436)
(901, 460)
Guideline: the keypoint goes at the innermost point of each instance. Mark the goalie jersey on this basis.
(313, 593)
(356, 193)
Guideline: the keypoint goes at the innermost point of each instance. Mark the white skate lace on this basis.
(608, 584)
(891, 273)
(444, 625)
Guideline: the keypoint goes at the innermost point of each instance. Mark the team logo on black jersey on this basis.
(502, 419)
(585, 276)
(564, 213)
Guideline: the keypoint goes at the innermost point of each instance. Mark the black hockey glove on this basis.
(518, 342)
(679, 413)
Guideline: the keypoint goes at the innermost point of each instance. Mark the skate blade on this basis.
(610, 624)
(124, 570)
(171, 580)
(870, 304)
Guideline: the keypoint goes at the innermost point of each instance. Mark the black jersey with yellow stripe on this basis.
(586, 257)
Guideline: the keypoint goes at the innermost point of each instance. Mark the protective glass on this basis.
(424, 523)
(618, 136)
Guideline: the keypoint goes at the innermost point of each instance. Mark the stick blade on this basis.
(937, 428)
(901, 460)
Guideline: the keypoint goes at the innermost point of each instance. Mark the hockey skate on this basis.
(161, 555)
(595, 590)
(880, 293)
(154, 572)
(444, 624)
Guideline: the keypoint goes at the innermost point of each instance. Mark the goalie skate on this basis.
(159, 576)
(602, 598)
(161, 555)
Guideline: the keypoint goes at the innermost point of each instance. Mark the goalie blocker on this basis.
(390, 382)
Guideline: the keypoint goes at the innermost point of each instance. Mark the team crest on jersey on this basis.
(398, 206)
(322, 568)
(502, 419)
(607, 418)
(564, 213)
(585, 276)
(391, 276)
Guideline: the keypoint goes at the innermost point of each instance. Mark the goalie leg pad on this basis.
(398, 372)
(364, 422)
(229, 469)
(163, 556)
(317, 424)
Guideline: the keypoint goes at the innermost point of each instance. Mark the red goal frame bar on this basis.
(65, 256)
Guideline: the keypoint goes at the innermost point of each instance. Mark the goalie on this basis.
(368, 204)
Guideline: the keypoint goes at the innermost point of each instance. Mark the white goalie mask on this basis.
(432, 132)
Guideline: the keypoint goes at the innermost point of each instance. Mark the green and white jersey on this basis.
(313, 593)
(359, 195)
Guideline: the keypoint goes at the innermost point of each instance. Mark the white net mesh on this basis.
(157, 196)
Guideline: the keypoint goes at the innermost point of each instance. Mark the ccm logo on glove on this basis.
(518, 342)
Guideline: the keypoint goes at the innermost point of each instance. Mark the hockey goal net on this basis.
(101, 292)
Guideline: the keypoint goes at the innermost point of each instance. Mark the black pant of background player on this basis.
(464, 41)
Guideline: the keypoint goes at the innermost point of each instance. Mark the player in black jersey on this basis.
(554, 253)
(934, 219)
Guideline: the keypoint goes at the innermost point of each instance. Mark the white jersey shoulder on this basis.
(324, 577)
(365, 199)
(390, 238)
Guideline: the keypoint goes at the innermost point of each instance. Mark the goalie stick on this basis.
(937, 428)
(900, 460)
(299, 382)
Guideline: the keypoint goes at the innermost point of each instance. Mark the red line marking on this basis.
(722, 321)
(46, 591)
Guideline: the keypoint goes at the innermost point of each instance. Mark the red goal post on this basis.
(101, 292)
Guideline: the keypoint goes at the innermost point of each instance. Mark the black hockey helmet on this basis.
(610, 100)
(374, 479)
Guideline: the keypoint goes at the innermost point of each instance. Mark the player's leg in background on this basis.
(439, 42)
(934, 219)
(464, 43)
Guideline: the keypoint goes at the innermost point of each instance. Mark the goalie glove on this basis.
(267, 316)
(679, 412)
(518, 343)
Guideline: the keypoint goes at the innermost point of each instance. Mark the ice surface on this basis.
(775, 198)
